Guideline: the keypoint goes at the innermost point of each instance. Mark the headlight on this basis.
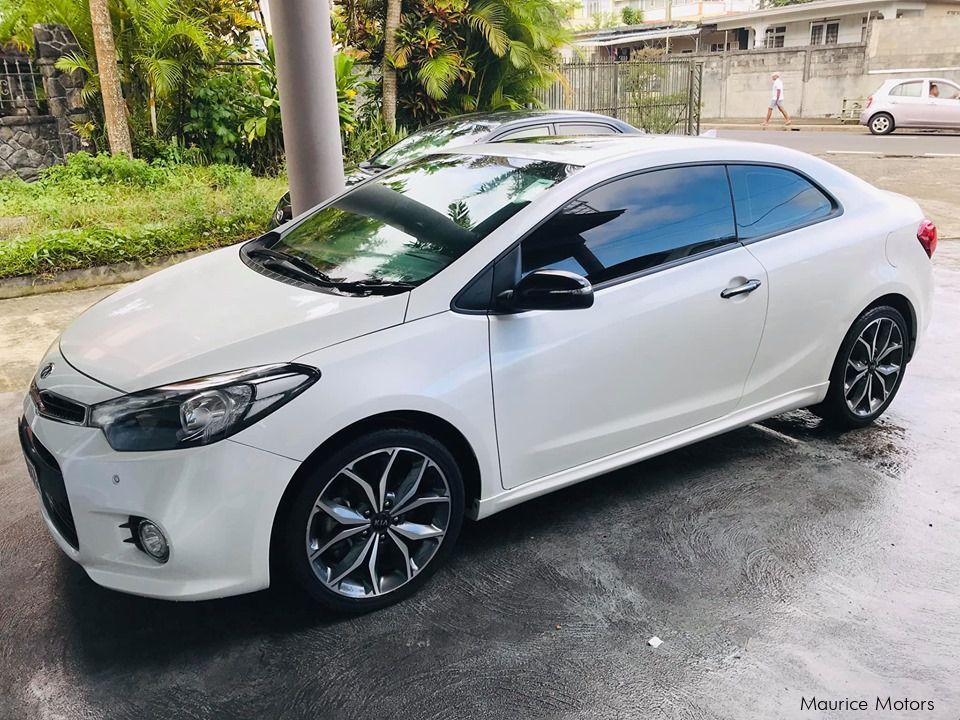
(200, 411)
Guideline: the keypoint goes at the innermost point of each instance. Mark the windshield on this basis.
(447, 135)
(407, 225)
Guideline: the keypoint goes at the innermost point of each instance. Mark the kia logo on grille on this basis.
(46, 370)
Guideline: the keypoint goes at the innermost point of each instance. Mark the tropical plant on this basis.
(599, 20)
(166, 41)
(631, 16)
(456, 56)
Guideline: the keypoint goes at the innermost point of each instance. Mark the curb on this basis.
(780, 128)
(84, 278)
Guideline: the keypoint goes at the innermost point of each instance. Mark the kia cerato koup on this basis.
(452, 337)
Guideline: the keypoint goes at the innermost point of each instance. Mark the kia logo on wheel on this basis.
(46, 370)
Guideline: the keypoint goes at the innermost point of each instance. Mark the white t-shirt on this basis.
(777, 85)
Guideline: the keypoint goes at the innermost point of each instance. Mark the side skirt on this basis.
(744, 416)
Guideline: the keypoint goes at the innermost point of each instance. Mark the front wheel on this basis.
(868, 369)
(881, 124)
(374, 520)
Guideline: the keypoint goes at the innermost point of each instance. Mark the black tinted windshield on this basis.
(435, 137)
(407, 225)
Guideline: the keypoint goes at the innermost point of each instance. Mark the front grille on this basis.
(53, 493)
(56, 407)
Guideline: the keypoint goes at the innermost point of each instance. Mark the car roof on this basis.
(505, 117)
(898, 81)
(590, 150)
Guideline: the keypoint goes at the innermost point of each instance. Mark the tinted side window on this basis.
(569, 129)
(908, 89)
(772, 200)
(635, 223)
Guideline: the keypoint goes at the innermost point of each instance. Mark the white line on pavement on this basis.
(853, 152)
(941, 154)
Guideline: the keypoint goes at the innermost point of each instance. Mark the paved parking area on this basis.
(777, 562)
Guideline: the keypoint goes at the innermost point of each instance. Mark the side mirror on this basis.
(548, 290)
(364, 164)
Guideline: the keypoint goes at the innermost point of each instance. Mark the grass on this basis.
(102, 210)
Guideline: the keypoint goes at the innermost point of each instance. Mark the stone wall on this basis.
(28, 144)
(62, 89)
(29, 140)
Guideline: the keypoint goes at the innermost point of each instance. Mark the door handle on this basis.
(748, 287)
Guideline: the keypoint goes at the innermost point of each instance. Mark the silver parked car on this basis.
(474, 129)
(913, 103)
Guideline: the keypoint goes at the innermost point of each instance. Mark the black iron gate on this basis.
(660, 96)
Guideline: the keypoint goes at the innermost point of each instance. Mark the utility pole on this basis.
(668, 20)
(303, 45)
(114, 108)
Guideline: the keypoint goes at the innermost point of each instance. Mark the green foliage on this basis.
(82, 168)
(456, 56)
(369, 136)
(220, 105)
(656, 110)
(98, 210)
(630, 16)
(603, 20)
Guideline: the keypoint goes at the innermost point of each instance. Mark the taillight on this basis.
(927, 235)
(869, 101)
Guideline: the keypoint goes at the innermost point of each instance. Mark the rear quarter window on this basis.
(772, 200)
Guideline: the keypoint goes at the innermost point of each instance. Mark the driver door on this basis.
(660, 351)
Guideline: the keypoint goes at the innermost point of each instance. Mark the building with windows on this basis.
(739, 25)
(822, 22)
(657, 12)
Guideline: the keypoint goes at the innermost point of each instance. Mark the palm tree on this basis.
(462, 55)
(166, 38)
(114, 108)
(390, 27)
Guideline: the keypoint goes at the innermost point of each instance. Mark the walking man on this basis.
(776, 101)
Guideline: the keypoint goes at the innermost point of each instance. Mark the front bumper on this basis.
(215, 504)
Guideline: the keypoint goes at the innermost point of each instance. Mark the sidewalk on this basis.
(796, 124)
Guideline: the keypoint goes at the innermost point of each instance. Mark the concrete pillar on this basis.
(308, 100)
(759, 31)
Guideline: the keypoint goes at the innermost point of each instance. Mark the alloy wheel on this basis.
(873, 366)
(378, 522)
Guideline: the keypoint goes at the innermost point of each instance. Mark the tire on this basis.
(339, 523)
(868, 369)
(881, 124)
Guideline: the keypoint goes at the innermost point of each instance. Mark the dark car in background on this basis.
(471, 130)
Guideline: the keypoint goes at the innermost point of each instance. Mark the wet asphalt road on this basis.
(775, 563)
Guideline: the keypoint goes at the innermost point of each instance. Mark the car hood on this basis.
(213, 314)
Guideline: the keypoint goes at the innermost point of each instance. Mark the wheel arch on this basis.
(903, 305)
(426, 422)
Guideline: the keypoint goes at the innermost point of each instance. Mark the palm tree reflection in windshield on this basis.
(407, 225)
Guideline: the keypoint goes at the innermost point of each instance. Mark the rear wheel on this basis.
(375, 520)
(881, 124)
(868, 369)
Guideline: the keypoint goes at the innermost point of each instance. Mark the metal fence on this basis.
(18, 86)
(660, 96)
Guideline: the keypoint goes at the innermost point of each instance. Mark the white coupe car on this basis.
(453, 337)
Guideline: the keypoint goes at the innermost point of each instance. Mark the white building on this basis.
(822, 22)
(658, 12)
(817, 23)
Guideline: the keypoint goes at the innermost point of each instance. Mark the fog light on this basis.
(152, 541)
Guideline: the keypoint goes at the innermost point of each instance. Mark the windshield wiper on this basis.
(375, 286)
(291, 265)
